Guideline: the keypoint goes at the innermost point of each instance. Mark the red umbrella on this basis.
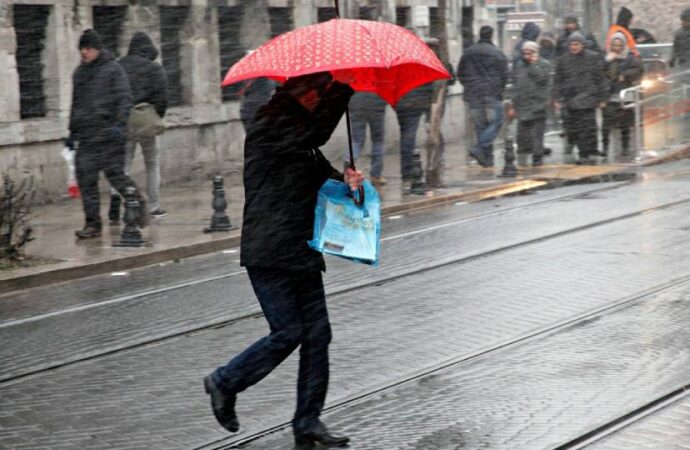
(369, 56)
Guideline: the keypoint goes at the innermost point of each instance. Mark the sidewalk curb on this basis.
(233, 240)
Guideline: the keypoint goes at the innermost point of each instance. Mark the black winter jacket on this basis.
(101, 101)
(483, 71)
(283, 172)
(580, 82)
(146, 77)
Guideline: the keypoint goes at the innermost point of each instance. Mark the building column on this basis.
(200, 57)
(9, 78)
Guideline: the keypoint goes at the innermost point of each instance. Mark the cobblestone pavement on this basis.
(63, 338)
(151, 397)
(540, 393)
(667, 429)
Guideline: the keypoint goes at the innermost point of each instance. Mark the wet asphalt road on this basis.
(522, 322)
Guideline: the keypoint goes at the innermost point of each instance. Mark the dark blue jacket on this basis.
(483, 71)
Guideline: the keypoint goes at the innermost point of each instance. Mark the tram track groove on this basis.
(540, 333)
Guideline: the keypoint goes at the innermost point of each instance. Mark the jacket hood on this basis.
(531, 31)
(624, 17)
(142, 45)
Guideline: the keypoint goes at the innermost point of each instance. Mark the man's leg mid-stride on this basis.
(294, 305)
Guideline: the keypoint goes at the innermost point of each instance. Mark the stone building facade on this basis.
(199, 40)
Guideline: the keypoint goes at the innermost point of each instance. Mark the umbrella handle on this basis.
(359, 200)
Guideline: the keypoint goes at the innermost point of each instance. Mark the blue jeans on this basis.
(487, 115)
(294, 305)
(409, 123)
(376, 121)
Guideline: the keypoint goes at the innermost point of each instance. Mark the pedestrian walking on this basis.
(622, 28)
(571, 25)
(531, 96)
(283, 172)
(681, 44)
(148, 83)
(483, 71)
(369, 109)
(623, 70)
(580, 87)
(101, 102)
(409, 111)
(530, 33)
(547, 46)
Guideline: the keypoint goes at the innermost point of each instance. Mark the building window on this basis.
(402, 16)
(108, 21)
(436, 23)
(326, 14)
(281, 20)
(30, 22)
(368, 13)
(231, 50)
(172, 21)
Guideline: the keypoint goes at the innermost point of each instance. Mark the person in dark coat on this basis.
(530, 32)
(149, 86)
(531, 97)
(547, 46)
(101, 101)
(483, 71)
(572, 24)
(409, 111)
(680, 57)
(623, 71)
(367, 108)
(283, 172)
(580, 87)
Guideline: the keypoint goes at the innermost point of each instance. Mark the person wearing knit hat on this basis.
(576, 37)
(572, 25)
(530, 96)
(623, 71)
(101, 102)
(681, 43)
(90, 39)
(580, 87)
(622, 27)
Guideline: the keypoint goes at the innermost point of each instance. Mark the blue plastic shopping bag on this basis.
(344, 228)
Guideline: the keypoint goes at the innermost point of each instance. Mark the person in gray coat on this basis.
(580, 87)
(531, 96)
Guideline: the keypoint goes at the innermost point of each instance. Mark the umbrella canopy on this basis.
(369, 56)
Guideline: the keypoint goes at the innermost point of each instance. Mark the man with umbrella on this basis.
(283, 172)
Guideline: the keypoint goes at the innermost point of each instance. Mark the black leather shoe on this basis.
(88, 232)
(321, 435)
(223, 406)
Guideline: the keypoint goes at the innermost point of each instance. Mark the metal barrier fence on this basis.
(662, 113)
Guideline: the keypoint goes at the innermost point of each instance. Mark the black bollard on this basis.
(220, 220)
(509, 168)
(131, 234)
